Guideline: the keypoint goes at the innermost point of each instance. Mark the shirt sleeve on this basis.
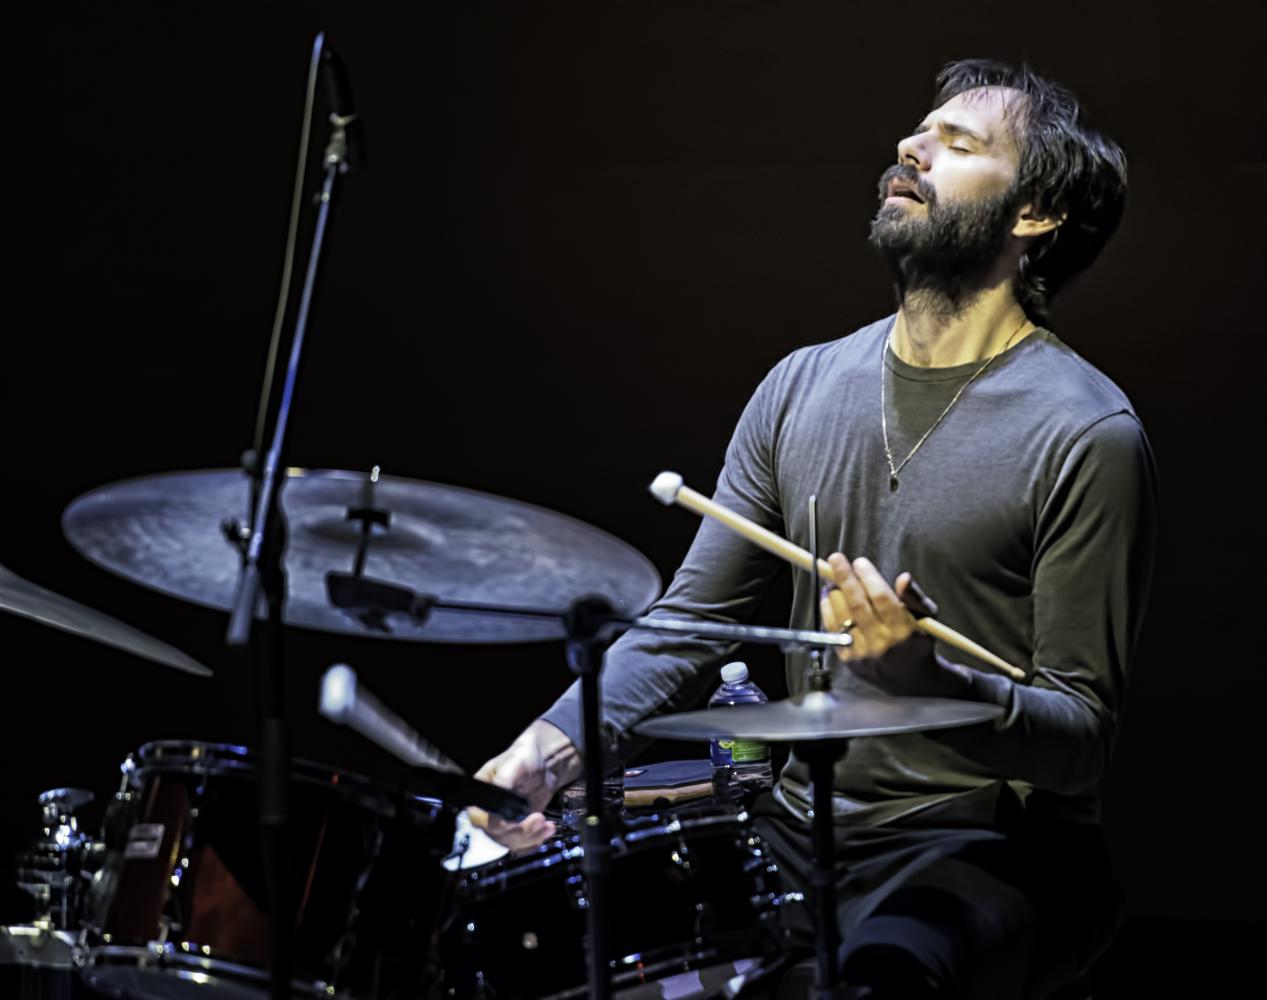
(724, 578)
(1092, 566)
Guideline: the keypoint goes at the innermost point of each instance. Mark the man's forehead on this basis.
(988, 111)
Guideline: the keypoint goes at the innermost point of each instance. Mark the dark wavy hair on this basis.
(1066, 169)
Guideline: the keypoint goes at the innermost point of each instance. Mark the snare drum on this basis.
(180, 908)
(690, 893)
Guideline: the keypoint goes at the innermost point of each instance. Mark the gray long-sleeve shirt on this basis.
(1027, 514)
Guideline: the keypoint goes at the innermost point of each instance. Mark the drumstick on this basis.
(669, 488)
(344, 701)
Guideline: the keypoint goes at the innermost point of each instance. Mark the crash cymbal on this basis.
(820, 716)
(27, 600)
(165, 532)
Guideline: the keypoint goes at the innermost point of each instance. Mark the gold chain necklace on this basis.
(884, 423)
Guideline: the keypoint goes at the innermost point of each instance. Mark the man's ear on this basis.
(1031, 222)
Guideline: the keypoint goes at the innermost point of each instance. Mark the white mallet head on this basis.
(665, 487)
(338, 693)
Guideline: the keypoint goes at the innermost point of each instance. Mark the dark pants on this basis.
(1003, 913)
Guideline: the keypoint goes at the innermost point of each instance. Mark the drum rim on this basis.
(501, 871)
(165, 959)
(187, 756)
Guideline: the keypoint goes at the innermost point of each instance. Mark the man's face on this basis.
(948, 205)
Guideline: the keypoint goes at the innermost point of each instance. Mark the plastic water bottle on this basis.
(746, 762)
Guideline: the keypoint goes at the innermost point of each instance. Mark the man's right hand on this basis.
(540, 762)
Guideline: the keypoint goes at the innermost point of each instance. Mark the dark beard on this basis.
(940, 258)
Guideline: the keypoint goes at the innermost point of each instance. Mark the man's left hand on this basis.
(887, 649)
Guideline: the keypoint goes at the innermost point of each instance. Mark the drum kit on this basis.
(171, 897)
(228, 872)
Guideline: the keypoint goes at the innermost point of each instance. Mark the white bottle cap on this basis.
(734, 673)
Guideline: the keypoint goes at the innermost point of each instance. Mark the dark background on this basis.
(585, 235)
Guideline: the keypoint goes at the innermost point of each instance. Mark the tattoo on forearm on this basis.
(558, 762)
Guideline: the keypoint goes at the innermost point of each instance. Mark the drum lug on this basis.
(576, 891)
(681, 855)
(773, 900)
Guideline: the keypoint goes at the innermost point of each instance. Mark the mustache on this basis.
(908, 175)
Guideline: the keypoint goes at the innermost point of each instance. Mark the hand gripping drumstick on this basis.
(669, 489)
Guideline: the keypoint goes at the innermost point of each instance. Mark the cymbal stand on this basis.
(263, 580)
(591, 623)
(587, 638)
(822, 756)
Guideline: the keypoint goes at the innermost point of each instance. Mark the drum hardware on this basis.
(28, 600)
(38, 959)
(180, 909)
(591, 623)
(165, 533)
(819, 725)
(56, 867)
(697, 895)
(37, 963)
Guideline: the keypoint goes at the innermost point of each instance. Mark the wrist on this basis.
(559, 755)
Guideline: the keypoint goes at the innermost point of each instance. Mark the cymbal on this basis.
(816, 715)
(28, 600)
(165, 532)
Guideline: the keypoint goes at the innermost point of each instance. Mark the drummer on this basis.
(959, 443)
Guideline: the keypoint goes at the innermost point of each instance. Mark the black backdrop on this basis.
(585, 234)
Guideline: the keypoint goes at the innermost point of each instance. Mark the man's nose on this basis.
(912, 151)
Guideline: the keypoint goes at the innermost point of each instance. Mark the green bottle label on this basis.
(749, 751)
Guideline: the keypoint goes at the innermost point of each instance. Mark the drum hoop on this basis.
(507, 870)
(681, 824)
(164, 959)
(200, 757)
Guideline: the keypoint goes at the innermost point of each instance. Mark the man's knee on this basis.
(890, 972)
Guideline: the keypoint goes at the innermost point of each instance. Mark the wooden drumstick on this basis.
(669, 489)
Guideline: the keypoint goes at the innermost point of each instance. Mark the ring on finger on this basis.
(847, 624)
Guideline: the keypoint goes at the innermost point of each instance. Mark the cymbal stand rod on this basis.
(822, 756)
(365, 594)
(822, 768)
(819, 675)
(368, 515)
(585, 644)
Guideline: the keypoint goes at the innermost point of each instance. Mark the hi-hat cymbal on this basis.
(165, 532)
(820, 716)
(28, 600)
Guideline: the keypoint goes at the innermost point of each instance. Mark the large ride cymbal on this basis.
(166, 532)
(820, 716)
(28, 600)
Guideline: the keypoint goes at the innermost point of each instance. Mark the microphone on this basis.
(342, 107)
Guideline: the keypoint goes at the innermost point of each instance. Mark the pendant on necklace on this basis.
(892, 484)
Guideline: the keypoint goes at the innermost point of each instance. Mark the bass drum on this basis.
(693, 896)
(179, 908)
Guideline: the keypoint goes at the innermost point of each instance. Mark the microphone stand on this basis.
(263, 581)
